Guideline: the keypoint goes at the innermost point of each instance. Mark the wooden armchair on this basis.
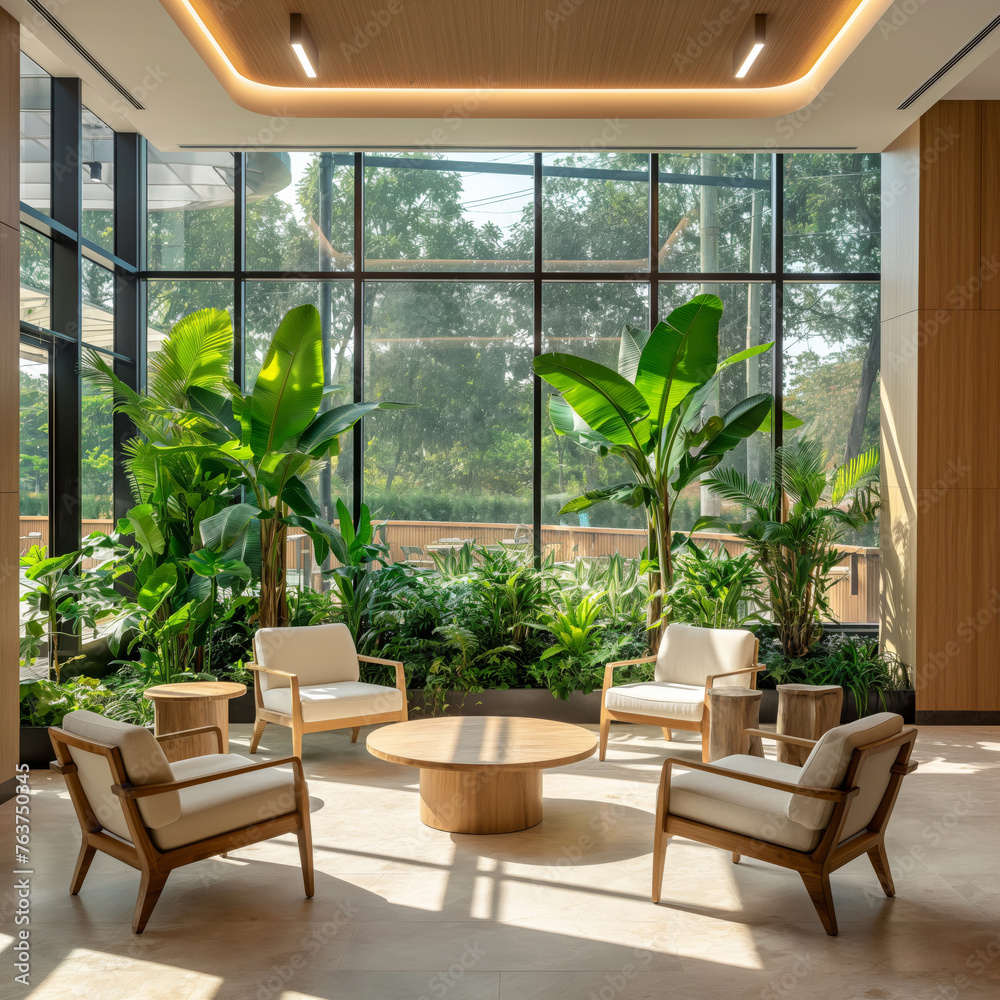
(689, 662)
(812, 819)
(309, 679)
(156, 816)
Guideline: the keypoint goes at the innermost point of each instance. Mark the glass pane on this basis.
(36, 136)
(190, 211)
(459, 465)
(832, 383)
(746, 322)
(833, 212)
(595, 212)
(97, 487)
(98, 305)
(586, 319)
(97, 155)
(34, 462)
(291, 199)
(267, 302)
(715, 212)
(36, 278)
(449, 211)
(170, 301)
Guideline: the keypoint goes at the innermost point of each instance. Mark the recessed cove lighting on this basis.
(749, 46)
(303, 45)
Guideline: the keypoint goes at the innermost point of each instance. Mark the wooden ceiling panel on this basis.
(481, 45)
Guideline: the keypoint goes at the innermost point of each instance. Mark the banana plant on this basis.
(270, 439)
(654, 413)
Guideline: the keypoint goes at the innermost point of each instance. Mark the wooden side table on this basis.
(732, 710)
(190, 705)
(806, 710)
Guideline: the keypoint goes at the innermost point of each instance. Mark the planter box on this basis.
(525, 703)
(242, 709)
(901, 702)
(36, 747)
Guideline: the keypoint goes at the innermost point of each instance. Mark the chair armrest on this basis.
(143, 791)
(400, 670)
(796, 741)
(256, 668)
(293, 683)
(169, 737)
(756, 669)
(810, 791)
(611, 667)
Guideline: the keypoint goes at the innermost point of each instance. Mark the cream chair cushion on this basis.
(660, 700)
(317, 654)
(826, 767)
(145, 764)
(227, 804)
(689, 654)
(344, 700)
(738, 806)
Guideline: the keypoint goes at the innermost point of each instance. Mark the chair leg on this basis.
(87, 853)
(354, 734)
(736, 858)
(306, 856)
(660, 841)
(818, 887)
(296, 742)
(667, 734)
(880, 862)
(258, 732)
(605, 727)
(150, 886)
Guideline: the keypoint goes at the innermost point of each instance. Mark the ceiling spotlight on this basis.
(95, 168)
(749, 46)
(304, 46)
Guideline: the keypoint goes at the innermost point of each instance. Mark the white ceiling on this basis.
(139, 44)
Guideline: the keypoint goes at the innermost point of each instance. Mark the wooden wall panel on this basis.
(990, 228)
(948, 563)
(959, 420)
(940, 421)
(950, 213)
(9, 398)
(10, 125)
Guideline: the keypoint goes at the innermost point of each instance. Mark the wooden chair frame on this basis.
(814, 867)
(298, 726)
(658, 720)
(153, 864)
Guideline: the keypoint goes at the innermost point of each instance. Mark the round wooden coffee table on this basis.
(481, 774)
(191, 705)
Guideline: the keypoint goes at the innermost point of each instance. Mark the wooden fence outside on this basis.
(853, 598)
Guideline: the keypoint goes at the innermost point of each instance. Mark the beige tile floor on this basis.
(559, 912)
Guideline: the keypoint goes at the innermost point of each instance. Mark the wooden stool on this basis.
(806, 710)
(731, 710)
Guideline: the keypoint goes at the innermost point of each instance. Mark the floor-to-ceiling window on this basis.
(439, 275)
(79, 291)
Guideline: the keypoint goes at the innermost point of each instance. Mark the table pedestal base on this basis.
(480, 801)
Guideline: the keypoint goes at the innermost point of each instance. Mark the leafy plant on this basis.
(455, 562)
(654, 412)
(798, 551)
(45, 702)
(577, 630)
(854, 662)
(61, 596)
(716, 590)
(263, 443)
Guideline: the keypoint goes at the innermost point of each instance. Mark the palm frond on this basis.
(857, 474)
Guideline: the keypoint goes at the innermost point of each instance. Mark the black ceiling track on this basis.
(71, 40)
(954, 60)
